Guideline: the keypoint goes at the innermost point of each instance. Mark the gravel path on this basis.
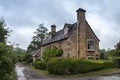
(26, 73)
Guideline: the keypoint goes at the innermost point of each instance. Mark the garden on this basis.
(55, 64)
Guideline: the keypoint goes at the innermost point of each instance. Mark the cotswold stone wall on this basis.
(69, 46)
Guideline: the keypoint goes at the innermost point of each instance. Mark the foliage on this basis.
(20, 53)
(109, 64)
(117, 46)
(111, 53)
(7, 62)
(40, 35)
(7, 55)
(63, 66)
(7, 51)
(103, 54)
(117, 53)
(117, 50)
(116, 61)
(4, 32)
(40, 65)
(51, 52)
(28, 58)
(6, 68)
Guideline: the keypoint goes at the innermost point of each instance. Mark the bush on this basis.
(116, 61)
(6, 68)
(40, 65)
(109, 64)
(7, 62)
(51, 52)
(84, 66)
(7, 51)
(106, 63)
(64, 66)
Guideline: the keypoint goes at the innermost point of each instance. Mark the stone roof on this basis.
(59, 35)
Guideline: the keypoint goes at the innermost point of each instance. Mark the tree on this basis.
(7, 62)
(117, 49)
(7, 56)
(4, 32)
(102, 53)
(117, 46)
(111, 53)
(115, 52)
(40, 35)
(20, 53)
(51, 52)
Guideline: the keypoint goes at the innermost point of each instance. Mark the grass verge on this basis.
(99, 72)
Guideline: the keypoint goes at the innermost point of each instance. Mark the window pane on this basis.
(90, 44)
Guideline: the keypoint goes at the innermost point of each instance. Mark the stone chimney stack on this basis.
(80, 14)
(81, 33)
(53, 28)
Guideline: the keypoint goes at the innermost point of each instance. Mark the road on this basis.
(26, 73)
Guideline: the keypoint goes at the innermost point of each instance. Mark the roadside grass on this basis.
(99, 61)
(93, 73)
(97, 73)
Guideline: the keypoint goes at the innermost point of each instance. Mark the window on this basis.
(90, 57)
(90, 44)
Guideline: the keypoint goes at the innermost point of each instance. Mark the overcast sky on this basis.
(24, 16)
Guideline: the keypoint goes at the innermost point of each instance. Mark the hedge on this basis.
(63, 66)
(6, 68)
(116, 61)
(40, 65)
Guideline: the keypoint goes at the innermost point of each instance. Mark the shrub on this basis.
(40, 65)
(109, 64)
(63, 66)
(7, 62)
(7, 51)
(6, 68)
(51, 52)
(84, 66)
(116, 61)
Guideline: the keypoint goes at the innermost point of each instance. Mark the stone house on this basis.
(76, 40)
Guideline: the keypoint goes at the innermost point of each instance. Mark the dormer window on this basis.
(65, 30)
(90, 45)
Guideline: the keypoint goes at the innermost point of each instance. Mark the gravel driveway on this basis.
(26, 73)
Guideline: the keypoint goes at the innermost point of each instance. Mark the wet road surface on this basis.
(26, 73)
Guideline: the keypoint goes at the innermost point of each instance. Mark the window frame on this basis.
(91, 49)
(90, 57)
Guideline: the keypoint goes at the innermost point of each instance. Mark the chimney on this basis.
(53, 28)
(80, 14)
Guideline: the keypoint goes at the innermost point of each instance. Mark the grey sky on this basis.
(24, 16)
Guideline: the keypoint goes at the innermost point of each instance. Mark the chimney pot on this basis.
(80, 14)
